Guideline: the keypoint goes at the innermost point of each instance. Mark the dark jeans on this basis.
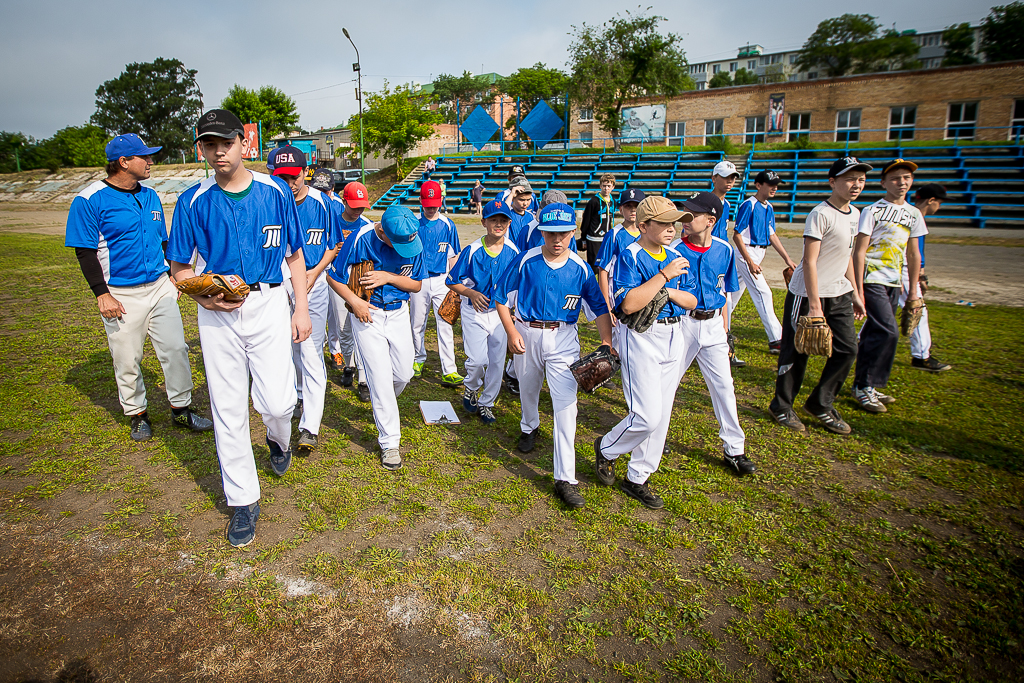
(593, 249)
(877, 349)
(792, 365)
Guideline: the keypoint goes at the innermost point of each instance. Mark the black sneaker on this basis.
(775, 347)
(740, 463)
(788, 418)
(297, 410)
(363, 390)
(190, 420)
(734, 360)
(832, 421)
(141, 429)
(242, 528)
(526, 440)
(346, 376)
(307, 442)
(737, 362)
(604, 467)
(280, 460)
(642, 493)
(929, 364)
(570, 494)
(512, 384)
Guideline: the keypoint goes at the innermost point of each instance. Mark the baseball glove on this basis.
(595, 369)
(912, 313)
(209, 284)
(641, 321)
(450, 308)
(357, 271)
(813, 336)
(787, 274)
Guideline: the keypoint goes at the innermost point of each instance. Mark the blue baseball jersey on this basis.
(614, 242)
(479, 269)
(721, 229)
(540, 292)
(126, 229)
(714, 270)
(440, 242)
(342, 227)
(520, 225)
(506, 196)
(249, 237)
(532, 236)
(635, 266)
(755, 222)
(366, 245)
(316, 216)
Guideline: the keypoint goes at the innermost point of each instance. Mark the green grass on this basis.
(894, 554)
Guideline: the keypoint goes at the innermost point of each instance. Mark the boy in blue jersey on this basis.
(650, 359)
(712, 262)
(723, 178)
(245, 224)
(621, 236)
(520, 200)
(316, 217)
(381, 325)
(440, 249)
(546, 286)
(117, 229)
(755, 230)
(473, 278)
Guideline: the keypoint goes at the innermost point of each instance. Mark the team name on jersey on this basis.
(273, 233)
(156, 215)
(442, 247)
(572, 302)
(315, 236)
(406, 270)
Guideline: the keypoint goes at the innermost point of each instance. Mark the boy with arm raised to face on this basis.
(620, 237)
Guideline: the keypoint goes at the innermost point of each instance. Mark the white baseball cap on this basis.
(725, 169)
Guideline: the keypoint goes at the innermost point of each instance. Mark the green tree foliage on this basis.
(773, 74)
(532, 84)
(157, 100)
(744, 77)
(722, 79)
(468, 90)
(268, 105)
(12, 151)
(959, 42)
(79, 146)
(394, 121)
(622, 59)
(1002, 33)
(855, 44)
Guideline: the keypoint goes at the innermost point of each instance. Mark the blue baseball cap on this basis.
(557, 217)
(497, 207)
(128, 145)
(287, 160)
(629, 194)
(402, 228)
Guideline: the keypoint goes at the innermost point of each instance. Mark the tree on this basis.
(268, 105)
(157, 100)
(773, 74)
(851, 44)
(12, 151)
(1002, 33)
(78, 146)
(959, 42)
(530, 85)
(722, 79)
(466, 89)
(394, 121)
(744, 77)
(623, 59)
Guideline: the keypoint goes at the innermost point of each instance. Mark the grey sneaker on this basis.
(391, 459)
(141, 429)
(833, 422)
(242, 528)
(307, 442)
(280, 460)
(788, 418)
(884, 399)
(867, 400)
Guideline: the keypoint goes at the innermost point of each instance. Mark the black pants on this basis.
(792, 365)
(593, 250)
(877, 349)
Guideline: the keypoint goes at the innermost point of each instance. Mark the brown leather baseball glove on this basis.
(595, 369)
(787, 274)
(813, 336)
(913, 311)
(450, 308)
(210, 284)
(357, 271)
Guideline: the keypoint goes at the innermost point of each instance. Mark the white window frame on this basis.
(716, 123)
(961, 123)
(901, 129)
(716, 68)
(751, 64)
(1017, 118)
(848, 133)
(586, 114)
(794, 133)
(675, 131)
(733, 65)
(757, 123)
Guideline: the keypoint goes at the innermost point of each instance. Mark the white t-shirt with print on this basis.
(836, 230)
(890, 227)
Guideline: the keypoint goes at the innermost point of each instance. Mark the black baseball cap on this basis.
(630, 194)
(702, 202)
(219, 123)
(322, 179)
(768, 176)
(847, 164)
(516, 172)
(930, 191)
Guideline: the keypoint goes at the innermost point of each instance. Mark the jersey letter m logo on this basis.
(315, 236)
(156, 215)
(572, 301)
(273, 233)
(406, 270)
(442, 247)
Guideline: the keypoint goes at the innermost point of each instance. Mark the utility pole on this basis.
(359, 96)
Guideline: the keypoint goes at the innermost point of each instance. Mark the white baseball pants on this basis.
(921, 337)
(150, 309)
(550, 352)
(651, 364)
(760, 292)
(705, 341)
(308, 356)
(431, 294)
(339, 333)
(485, 341)
(254, 339)
(385, 345)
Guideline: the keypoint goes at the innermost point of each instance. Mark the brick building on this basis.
(979, 102)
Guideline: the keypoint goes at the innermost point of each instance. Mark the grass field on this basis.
(894, 554)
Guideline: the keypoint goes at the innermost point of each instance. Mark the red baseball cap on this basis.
(430, 194)
(355, 195)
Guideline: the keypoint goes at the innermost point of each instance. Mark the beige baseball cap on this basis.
(661, 209)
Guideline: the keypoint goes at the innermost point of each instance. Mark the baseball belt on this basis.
(698, 314)
(670, 321)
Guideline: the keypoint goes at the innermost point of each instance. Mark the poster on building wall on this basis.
(776, 113)
(252, 137)
(643, 124)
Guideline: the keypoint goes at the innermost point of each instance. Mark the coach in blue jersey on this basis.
(117, 229)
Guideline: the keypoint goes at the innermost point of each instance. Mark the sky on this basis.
(55, 54)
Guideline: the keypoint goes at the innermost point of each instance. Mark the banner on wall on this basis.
(776, 113)
(643, 124)
(252, 136)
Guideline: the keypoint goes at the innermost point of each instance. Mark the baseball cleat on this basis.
(297, 410)
(307, 442)
(486, 414)
(527, 440)
(339, 360)
(141, 429)
(570, 494)
(190, 420)
(242, 527)
(391, 459)
(867, 400)
(929, 364)
(736, 362)
(280, 460)
(832, 421)
(741, 464)
(642, 493)
(346, 376)
(604, 467)
(512, 384)
(775, 347)
(364, 392)
(788, 418)
(469, 399)
(417, 369)
(452, 379)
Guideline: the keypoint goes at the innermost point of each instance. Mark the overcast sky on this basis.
(54, 54)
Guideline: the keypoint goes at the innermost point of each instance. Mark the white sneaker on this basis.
(868, 400)
(391, 459)
(884, 399)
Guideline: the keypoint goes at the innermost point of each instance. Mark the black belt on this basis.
(703, 314)
(261, 285)
(670, 321)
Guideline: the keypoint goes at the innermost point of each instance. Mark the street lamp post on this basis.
(359, 84)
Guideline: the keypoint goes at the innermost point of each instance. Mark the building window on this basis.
(586, 114)
(676, 132)
(713, 127)
(732, 66)
(751, 64)
(848, 125)
(901, 123)
(812, 75)
(962, 119)
(799, 126)
(716, 68)
(1017, 124)
(755, 130)
(793, 58)
(586, 137)
(702, 85)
